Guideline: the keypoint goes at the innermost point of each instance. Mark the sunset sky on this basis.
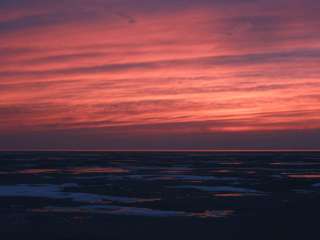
(151, 74)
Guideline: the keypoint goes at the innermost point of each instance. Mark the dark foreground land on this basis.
(159, 195)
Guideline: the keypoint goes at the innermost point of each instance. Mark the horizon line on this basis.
(167, 150)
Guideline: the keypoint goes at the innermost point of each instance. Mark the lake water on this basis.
(159, 195)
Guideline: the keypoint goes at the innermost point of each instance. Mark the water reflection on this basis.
(37, 171)
(83, 170)
(305, 176)
(155, 184)
(77, 170)
(228, 194)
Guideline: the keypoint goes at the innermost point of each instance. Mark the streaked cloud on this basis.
(160, 68)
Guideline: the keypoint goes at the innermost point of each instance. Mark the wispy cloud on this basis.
(160, 68)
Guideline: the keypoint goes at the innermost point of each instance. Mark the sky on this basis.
(159, 74)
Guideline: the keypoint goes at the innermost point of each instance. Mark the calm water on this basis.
(165, 195)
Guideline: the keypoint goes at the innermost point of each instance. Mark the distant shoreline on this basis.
(159, 150)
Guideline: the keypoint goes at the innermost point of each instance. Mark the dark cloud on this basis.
(236, 60)
(88, 139)
(43, 20)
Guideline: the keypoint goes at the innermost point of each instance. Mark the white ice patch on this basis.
(168, 177)
(134, 211)
(175, 177)
(56, 192)
(194, 178)
(316, 185)
(219, 189)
